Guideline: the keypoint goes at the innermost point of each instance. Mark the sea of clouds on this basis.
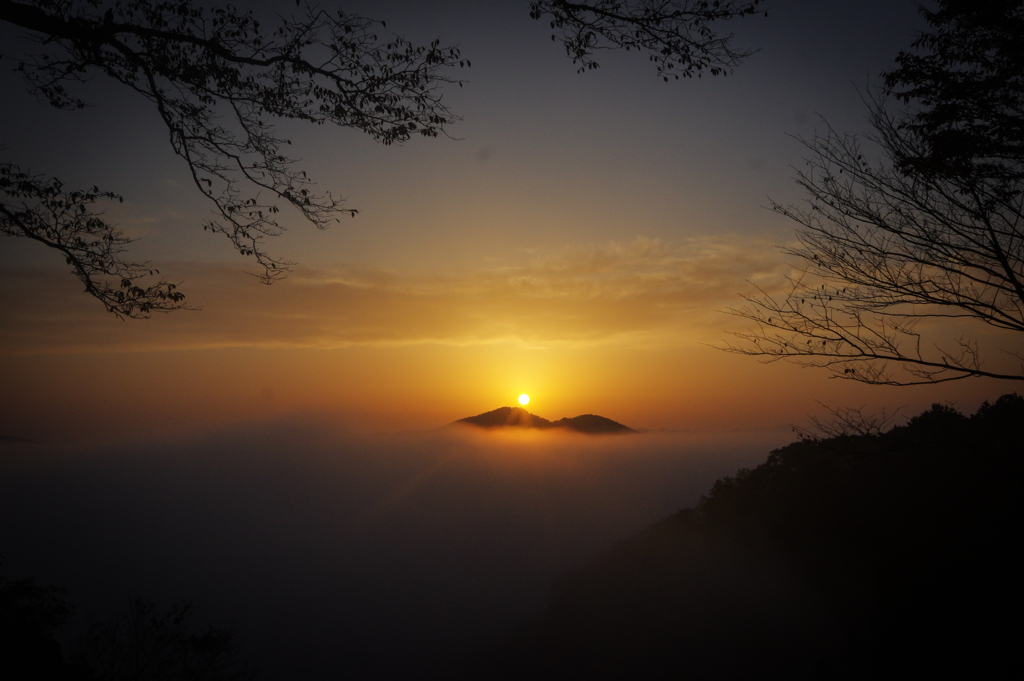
(341, 555)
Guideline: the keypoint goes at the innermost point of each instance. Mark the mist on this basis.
(338, 554)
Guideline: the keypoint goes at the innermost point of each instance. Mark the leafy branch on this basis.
(216, 77)
(39, 208)
(679, 36)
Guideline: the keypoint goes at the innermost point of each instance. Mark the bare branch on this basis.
(847, 422)
(932, 231)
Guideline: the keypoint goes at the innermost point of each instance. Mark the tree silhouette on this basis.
(30, 617)
(149, 643)
(969, 77)
(144, 642)
(216, 78)
(676, 34)
(932, 232)
(38, 208)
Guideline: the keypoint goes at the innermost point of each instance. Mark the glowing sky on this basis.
(574, 241)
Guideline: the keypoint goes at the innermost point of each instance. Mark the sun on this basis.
(524, 399)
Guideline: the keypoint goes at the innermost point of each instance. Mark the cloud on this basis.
(331, 551)
(644, 291)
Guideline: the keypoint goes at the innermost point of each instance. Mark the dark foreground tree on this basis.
(928, 237)
(967, 74)
(147, 644)
(31, 615)
(143, 644)
(217, 79)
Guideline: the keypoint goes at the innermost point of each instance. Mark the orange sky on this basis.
(619, 330)
(576, 241)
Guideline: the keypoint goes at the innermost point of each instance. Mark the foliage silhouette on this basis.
(215, 78)
(677, 35)
(148, 644)
(39, 208)
(847, 557)
(930, 234)
(968, 76)
(31, 615)
(144, 644)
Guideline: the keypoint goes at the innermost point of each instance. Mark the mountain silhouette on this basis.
(517, 417)
(844, 557)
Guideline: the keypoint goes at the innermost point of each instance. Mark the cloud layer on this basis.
(334, 554)
(640, 292)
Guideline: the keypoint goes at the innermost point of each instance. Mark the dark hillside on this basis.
(849, 557)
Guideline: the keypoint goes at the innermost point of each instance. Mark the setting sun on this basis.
(524, 399)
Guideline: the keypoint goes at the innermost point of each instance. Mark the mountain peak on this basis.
(517, 417)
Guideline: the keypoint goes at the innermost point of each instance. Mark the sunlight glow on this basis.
(524, 399)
